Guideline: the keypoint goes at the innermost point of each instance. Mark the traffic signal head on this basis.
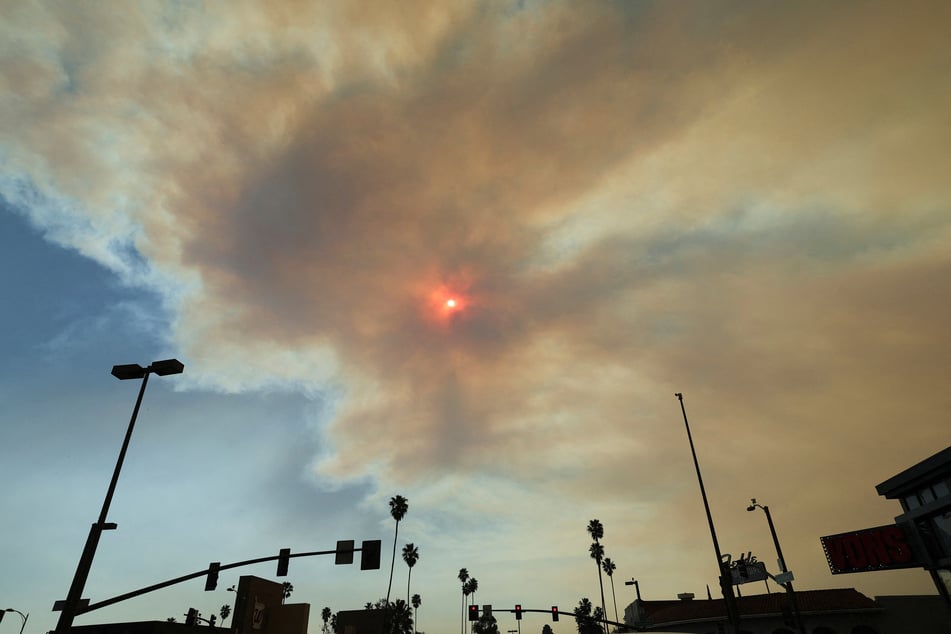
(191, 617)
(211, 581)
(473, 612)
(554, 613)
(370, 555)
(283, 559)
(518, 612)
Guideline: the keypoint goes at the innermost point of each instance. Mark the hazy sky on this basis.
(744, 202)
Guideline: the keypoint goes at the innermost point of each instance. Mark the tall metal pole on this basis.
(73, 597)
(782, 566)
(71, 604)
(726, 586)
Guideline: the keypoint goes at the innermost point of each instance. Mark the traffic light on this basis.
(473, 612)
(370, 555)
(344, 552)
(192, 617)
(518, 612)
(211, 582)
(284, 559)
(554, 613)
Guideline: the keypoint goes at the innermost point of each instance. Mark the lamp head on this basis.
(136, 371)
(752, 506)
(128, 371)
(166, 367)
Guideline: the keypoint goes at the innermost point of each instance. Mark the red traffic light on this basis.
(518, 611)
(473, 612)
(554, 613)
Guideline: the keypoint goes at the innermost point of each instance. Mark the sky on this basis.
(747, 203)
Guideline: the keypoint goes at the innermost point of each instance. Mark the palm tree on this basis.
(286, 588)
(596, 530)
(398, 507)
(410, 556)
(470, 587)
(325, 617)
(609, 567)
(583, 615)
(463, 577)
(417, 601)
(598, 618)
(473, 586)
(225, 612)
(596, 551)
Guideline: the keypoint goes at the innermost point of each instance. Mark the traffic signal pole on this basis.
(372, 546)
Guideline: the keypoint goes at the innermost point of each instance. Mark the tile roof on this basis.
(810, 601)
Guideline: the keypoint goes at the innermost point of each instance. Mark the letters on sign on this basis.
(878, 548)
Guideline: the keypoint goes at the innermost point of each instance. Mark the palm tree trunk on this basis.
(408, 577)
(614, 596)
(392, 562)
(604, 612)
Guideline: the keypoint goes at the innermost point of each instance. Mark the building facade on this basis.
(924, 492)
(836, 611)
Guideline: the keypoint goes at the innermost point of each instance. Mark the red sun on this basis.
(446, 304)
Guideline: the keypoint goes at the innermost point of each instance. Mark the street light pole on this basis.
(726, 587)
(24, 617)
(637, 587)
(122, 372)
(782, 561)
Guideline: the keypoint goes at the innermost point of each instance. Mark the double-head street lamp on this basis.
(24, 617)
(787, 584)
(122, 372)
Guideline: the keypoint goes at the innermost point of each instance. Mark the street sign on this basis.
(748, 572)
(784, 577)
(877, 548)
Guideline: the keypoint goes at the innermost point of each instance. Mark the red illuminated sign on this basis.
(877, 548)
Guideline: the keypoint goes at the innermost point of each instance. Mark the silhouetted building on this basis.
(924, 491)
(259, 609)
(836, 611)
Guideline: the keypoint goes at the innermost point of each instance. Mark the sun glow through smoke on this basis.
(446, 302)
